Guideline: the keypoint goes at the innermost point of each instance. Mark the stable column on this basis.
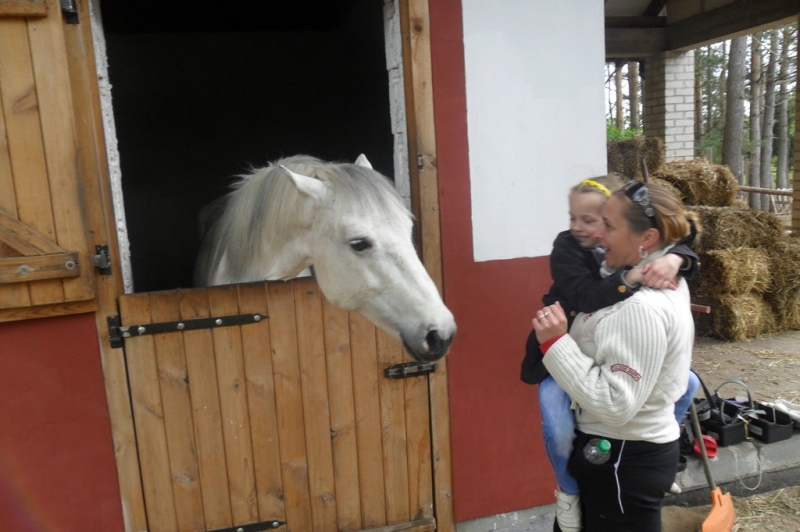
(668, 89)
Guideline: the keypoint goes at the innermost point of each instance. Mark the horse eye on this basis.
(360, 244)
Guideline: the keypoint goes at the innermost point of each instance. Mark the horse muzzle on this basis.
(432, 348)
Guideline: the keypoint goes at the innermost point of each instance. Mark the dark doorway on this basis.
(202, 92)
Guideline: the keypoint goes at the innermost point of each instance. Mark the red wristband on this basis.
(545, 346)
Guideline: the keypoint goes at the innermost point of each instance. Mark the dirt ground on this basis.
(770, 367)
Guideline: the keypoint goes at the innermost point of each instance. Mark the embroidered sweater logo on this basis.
(626, 369)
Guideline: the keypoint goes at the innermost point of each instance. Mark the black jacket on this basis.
(578, 285)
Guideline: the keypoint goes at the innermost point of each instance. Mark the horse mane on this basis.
(264, 210)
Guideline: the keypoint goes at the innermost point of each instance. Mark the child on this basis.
(577, 284)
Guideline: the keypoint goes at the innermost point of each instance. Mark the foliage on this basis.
(711, 63)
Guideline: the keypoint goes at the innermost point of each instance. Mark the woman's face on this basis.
(622, 246)
(585, 217)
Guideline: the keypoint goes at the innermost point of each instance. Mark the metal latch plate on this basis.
(252, 527)
(409, 369)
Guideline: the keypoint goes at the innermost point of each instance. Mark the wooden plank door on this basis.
(289, 418)
(45, 260)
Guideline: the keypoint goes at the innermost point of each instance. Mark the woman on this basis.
(626, 365)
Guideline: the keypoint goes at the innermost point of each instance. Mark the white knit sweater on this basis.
(626, 365)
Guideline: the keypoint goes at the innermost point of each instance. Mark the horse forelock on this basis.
(265, 210)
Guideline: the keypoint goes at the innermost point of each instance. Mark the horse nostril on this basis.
(434, 341)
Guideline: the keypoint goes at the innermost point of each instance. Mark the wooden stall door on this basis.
(45, 259)
(285, 419)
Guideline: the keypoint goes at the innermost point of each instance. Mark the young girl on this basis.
(577, 284)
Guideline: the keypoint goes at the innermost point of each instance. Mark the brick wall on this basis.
(668, 88)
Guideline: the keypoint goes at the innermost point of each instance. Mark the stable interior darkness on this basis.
(202, 92)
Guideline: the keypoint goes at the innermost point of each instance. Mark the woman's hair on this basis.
(673, 221)
(604, 184)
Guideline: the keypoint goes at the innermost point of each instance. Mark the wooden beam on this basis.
(36, 268)
(23, 238)
(23, 8)
(737, 18)
(654, 8)
(636, 22)
(634, 42)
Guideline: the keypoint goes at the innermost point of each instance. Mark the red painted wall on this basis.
(499, 464)
(57, 470)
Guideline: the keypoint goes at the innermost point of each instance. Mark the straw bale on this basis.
(786, 308)
(734, 271)
(735, 318)
(667, 185)
(701, 182)
(784, 297)
(625, 156)
(784, 257)
(730, 228)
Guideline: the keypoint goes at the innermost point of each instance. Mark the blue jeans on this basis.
(558, 425)
(682, 406)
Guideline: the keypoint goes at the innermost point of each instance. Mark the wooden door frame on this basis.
(100, 213)
(416, 30)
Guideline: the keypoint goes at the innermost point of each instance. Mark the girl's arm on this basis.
(664, 271)
(576, 275)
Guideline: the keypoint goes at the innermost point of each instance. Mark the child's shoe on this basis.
(568, 512)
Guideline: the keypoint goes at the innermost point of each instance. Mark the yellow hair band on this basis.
(598, 186)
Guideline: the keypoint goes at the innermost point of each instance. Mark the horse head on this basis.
(352, 226)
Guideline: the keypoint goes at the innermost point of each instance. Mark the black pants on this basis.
(625, 493)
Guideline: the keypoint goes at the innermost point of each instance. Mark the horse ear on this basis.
(307, 185)
(362, 161)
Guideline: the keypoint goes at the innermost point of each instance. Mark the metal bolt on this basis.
(70, 265)
(141, 330)
(240, 529)
(435, 207)
(219, 321)
(256, 318)
(24, 269)
(181, 326)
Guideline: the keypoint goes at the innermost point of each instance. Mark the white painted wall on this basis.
(535, 117)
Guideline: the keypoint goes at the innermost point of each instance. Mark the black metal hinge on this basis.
(70, 10)
(252, 527)
(409, 369)
(118, 332)
(102, 261)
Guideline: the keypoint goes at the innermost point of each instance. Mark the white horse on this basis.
(349, 223)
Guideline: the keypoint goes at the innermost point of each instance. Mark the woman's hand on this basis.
(662, 272)
(549, 323)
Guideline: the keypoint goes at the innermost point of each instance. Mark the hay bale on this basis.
(729, 227)
(784, 297)
(786, 308)
(735, 318)
(625, 156)
(667, 185)
(734, 271)
(701, 182)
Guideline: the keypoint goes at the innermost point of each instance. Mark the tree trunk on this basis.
(709, 91)
(754, 174)
(633, 94)
(733, 137)
(783, 111)
(723, 81)
(698, 111)
(620, 98)
(767, 130)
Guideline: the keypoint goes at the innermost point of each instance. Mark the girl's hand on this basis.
(662, 272)
(550, 322)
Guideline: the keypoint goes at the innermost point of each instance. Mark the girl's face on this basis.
(622, 246)
(585, 217)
